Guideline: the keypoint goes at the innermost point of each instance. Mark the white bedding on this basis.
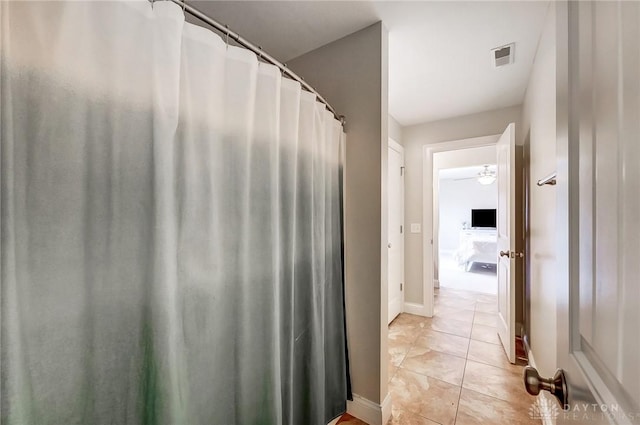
(475, 251)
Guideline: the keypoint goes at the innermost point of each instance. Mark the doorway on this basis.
(466, 234)
(463, 153)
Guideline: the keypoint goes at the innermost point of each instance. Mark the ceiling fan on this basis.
(484, 177)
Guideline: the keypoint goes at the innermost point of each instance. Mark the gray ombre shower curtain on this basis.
(170, 226)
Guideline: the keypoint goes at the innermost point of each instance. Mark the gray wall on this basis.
(414, 138)
(539, 129)
(352, 75)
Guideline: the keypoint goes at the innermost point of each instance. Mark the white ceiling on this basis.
(439, 52)
(464, 172)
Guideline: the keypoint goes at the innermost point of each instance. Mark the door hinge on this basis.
(401, 286)
(400, 228)
(402, 171)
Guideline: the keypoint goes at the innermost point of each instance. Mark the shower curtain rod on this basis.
(257, 50)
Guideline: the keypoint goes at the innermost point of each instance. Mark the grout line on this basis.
(434, 377)
(510, 402)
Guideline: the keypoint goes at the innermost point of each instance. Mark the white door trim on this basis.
(400, 149)
(396, 146)
(429, 205)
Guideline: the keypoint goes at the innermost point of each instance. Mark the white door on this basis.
(396, 229)
(506, 226)
(599, 211)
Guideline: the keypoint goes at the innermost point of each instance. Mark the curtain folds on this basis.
(171, 226)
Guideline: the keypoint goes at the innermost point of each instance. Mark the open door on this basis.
(598, 211)
(598, 203)
(396, 229)
(506, 226)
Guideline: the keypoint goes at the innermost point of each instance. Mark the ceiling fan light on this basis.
(486, 179)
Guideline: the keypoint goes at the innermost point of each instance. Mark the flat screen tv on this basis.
(483, 218)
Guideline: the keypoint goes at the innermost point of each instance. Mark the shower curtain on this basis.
(170, 226)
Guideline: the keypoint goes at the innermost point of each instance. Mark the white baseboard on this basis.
(368, 411)
(414, 308)
(335, 421)
(386, 409)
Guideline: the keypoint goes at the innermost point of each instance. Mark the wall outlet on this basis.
(416, 228)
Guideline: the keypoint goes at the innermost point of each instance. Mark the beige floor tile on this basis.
(451, 326)
(486, 298)
(491, 354)
(442, 366)
(397, 353)
(487, 319)
(403, 335)
(456, 302)
(454, 313)
(405, 320)
(425, 396)
(485, 334)
(392, 371)
(450, 292)
(500, 383)
(487, 307)
(479, 409)
(443, 342)
(403, 417)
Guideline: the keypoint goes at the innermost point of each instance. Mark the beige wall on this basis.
(395, 130)
(414, 138)
(539, 130)
(352, 75)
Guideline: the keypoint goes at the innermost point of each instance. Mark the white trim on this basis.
(413, 308)
(396, 146)
(368, 411)
(428, 207)
(386, 409)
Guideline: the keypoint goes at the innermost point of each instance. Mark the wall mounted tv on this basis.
(483, 218)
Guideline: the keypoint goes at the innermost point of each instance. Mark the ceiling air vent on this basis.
(503, 55)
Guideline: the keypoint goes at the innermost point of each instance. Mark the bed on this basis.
(476, 247)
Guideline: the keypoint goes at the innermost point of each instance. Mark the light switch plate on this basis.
(416, 228)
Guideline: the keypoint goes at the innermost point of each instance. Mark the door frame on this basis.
(429, 212)
(400, 149)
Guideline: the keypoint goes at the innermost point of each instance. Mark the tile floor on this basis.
(451, 369)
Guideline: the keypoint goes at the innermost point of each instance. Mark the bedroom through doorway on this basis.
(467, 236)
(465, 292)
